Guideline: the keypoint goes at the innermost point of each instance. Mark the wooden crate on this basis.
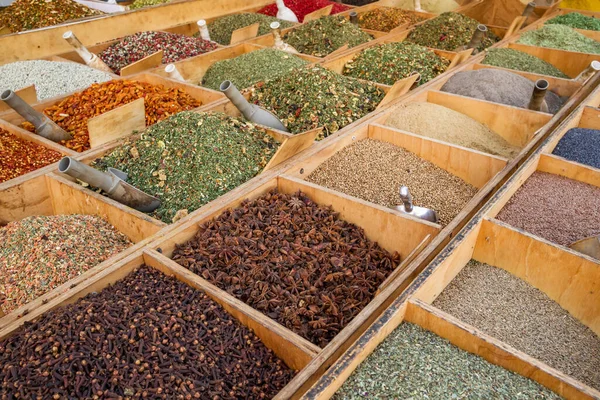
(586, 117)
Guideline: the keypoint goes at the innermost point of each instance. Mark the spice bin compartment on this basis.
(362, 10)
(586, 117)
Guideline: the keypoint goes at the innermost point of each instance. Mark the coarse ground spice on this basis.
(432, 6)
(449, 31)
(577, 20)
(146, 336)
(580, 145)
(303, 7)
(387, 63)
(191, 159)
(313, 96)
(325, 35)
(441, 123)
(555, 208)
(251, 68)
(414, 363)
(498, 86)
(221, 29)
(387, 18)
(513, 311)
(40, 253)
(560, 37)
(19, 156)
(145, 3)
(292, 259)
(72, 114)
(520, 61)
(374, 171)
(135, 47)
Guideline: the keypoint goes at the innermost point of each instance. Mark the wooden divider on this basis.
(569, 62)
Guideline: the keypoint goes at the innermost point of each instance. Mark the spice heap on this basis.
(441, 123)
(499, 86)
(520, 61)
(135, 47)
(449, 31)
(222, 28)
(387, 63)
(23, 15)
(387, 18)
(509, 309)
(555, 208)
(250, 68)
(40, 253)
(374, 171)
(313, 96)
(560, 37)
(191, 159)
(303, 7)
(580, 145)
(293, 260)
(325, 35)
(51, 78)
(577, 21)
(432, 6)
(146, 3)
(72, 114)
(147, 336)
(415, 363)
(359, 2)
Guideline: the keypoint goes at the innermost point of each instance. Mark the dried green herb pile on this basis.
(40, 253)
(250, 68)
(577, 20)
(325, 35)
(432, 6)
(191, 159)
(560, 37)
(146, 3)
(414, 363)
(313, 96)
(449, 31)
(221, 29)
(387, 18)
(520, 61)
(387, 63)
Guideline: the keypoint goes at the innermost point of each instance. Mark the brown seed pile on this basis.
(555, 208)
(147, 336)
(292, 259)
(522, 316)
(374, 171)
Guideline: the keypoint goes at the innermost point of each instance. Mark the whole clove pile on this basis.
(221, 29)
(560, 37)
(146, 336)
(577, 20)
(303, 7)
(521, 61)
(292, 259)
(387, 18)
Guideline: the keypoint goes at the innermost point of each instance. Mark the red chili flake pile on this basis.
(303, 7)
(135, 47)
(19, 156)
(39, 253)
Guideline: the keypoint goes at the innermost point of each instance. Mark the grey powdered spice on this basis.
(414, 363)
(580, 145)
(511, 310)
(374, 171)
(250, 68)
(498, 86)
(221, 29)
(577, 20)
(560, 37)
(441, 123)
(515, 59)
(555, 208)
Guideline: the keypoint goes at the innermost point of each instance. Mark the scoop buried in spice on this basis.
(88, 57)
(537, 102)
(407, 207)
(279, 43)
(203, 29)
(111, 182)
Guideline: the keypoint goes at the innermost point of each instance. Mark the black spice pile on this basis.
(580, 145)
(221, 29)
(147, 336)
(293, 260)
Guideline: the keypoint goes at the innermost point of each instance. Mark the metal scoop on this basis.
(407, 207)
(589, 246)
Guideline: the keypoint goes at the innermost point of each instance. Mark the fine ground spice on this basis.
(292, 259)
(520, 61)
(146, 336)
(560, 37)
(221, 29)
(449, 31)
(513, 311)
(387, 18)
(19, 156)
(191, 159)
(414, 363)
(325, 35)
(432, 6)
(580, 145)
(145, 3)
(250, 68)
(577, 20)
(441, 123)
(374, 171)
(135, 47)
(40, 253)
(303, 7)
(387, 63)
(499, 86)
(311, 97)
(555, 208)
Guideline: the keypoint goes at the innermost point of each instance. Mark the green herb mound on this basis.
(577, 21)
(560, 37)
(520, 61)
(221, 29)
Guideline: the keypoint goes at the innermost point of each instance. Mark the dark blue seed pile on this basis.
(580, 145)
